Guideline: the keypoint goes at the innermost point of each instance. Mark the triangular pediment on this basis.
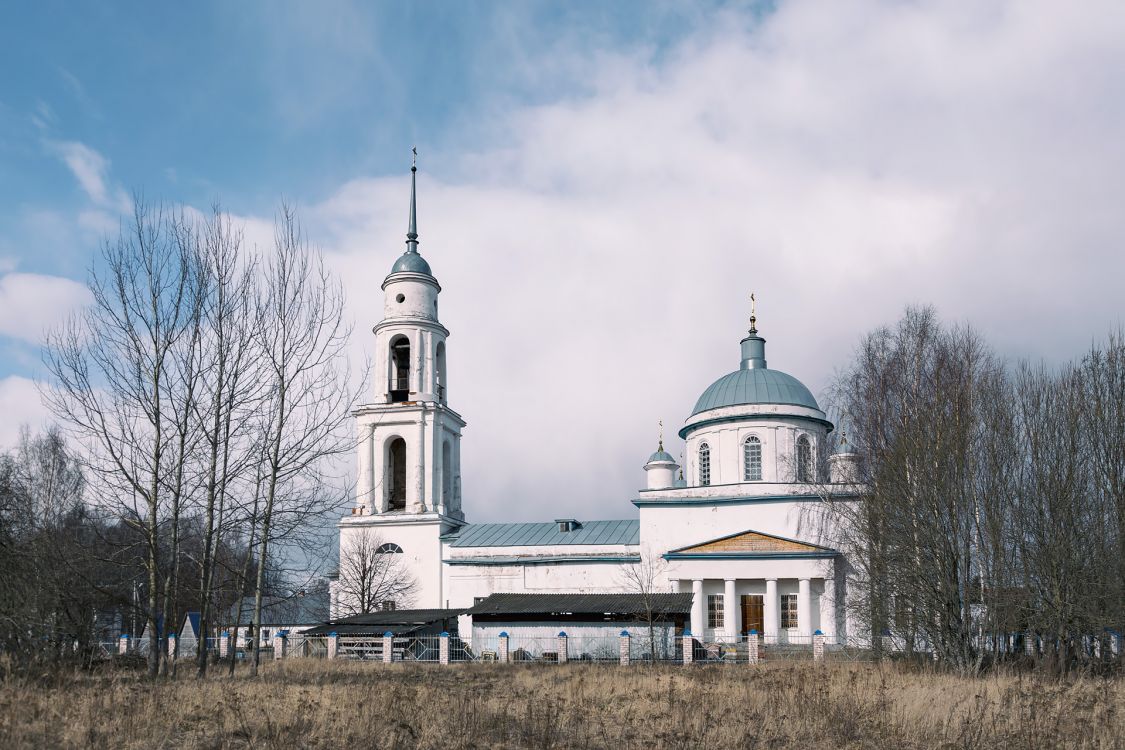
(751, 542)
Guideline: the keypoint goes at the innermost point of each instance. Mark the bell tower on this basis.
(409, 440)
(408, 446)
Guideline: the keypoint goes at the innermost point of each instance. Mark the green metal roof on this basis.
(755, 386)
(411, 262)
(664, 456)
(534, 534)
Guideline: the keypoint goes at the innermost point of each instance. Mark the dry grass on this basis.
(329, 705)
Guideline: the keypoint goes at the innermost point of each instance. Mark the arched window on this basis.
(705, 464)
(389, 548)
(446, 473)
(396, 475)
(752, 460)
(804, 459)
(439, 356)
(399, 387)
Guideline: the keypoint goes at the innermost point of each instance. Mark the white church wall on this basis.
(467, 583)
(418, 536)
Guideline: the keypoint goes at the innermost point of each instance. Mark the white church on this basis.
(729, 527)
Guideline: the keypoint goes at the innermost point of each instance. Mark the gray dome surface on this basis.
(755, 386)
(661, 456)
(412, 263)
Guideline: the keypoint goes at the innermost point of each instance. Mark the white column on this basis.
(770, 611)
(828, 609)
(730, 610)
(364, 482)
(457, 472)
(698, 612)
(417, 502)
(804, 608)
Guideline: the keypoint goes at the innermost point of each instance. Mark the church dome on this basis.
(661, 456)
(411, 262)
(755, 386)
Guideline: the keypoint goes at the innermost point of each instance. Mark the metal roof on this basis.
(395, 620)
(661, 455)
(755, 386)
(552, 604)
(535, 534)
(542, 559)
(411, 263)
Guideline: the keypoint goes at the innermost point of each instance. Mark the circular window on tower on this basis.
(400, 298)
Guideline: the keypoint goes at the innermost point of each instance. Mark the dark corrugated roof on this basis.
(626, 531)
(395, 620)
(629, 604)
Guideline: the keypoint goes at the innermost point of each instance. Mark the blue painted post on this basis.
(123, 644)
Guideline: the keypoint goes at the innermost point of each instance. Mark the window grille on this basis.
(804, 459)
(705, 464)
(714, 611)
(389, 547)
(789, 611)
(752, 459)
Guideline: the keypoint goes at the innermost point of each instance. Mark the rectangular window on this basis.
(714, 611)
(789, 611)
(265, 635)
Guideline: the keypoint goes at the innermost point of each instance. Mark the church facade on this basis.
(733, 526)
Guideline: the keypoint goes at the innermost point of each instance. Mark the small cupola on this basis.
(660, 469)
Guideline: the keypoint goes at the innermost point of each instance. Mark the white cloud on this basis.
(91, 169)
(843, 159)
(20, 405)
(31, 302)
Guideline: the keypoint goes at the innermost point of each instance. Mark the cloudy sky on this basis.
(600, 188)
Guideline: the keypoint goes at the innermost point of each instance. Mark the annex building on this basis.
(729, 528)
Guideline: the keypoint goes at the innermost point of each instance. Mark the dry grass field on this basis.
(318, 704)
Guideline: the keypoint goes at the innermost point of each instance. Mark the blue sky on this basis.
(601, 187)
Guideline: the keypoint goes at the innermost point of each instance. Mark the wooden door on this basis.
(752, 609)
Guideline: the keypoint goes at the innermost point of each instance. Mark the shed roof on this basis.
(600, 604)
(533, 534)
(395, 620)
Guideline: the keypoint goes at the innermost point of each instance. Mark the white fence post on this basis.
(388, 647)
(623, 648)
(689, 645)
(752, 647)
(123, 644)
(562, 647)
(443, 648)
(504, 655)
(280, 643)
(172, 646)
(818, 646)
(224, 644)
(333, 644)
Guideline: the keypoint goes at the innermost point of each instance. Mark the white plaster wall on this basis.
(420, 296)
(466, 582)
(779, 440)
(419, 537)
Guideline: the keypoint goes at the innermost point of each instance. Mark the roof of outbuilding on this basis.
(397, 621)
(534, 534)
(547, 604)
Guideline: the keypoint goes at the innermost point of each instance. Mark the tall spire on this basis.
(412, 229)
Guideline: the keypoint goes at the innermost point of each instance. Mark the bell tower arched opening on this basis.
(399, 387)
(396, 475)
(439, 357)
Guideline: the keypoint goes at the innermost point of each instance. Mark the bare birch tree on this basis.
(373, 573)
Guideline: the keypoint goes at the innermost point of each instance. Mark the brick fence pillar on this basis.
(562, 647)
(752, 647)
(689, 645)
(623, 648)
(333, 645)
(171, 647)
(1029, 644)
(123, 644)
(224, 644)
(280, 644)
(504, 656)
(443, 648)
(818, 646)
(388, 647)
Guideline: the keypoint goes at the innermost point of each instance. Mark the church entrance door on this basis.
(752, 609)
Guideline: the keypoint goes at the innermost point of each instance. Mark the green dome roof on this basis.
(411, 262)
(755, 386)
(661, 456)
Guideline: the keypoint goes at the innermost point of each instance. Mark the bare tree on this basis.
(301, 340)
(648, 579)
(109, 368)
(372, 573)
